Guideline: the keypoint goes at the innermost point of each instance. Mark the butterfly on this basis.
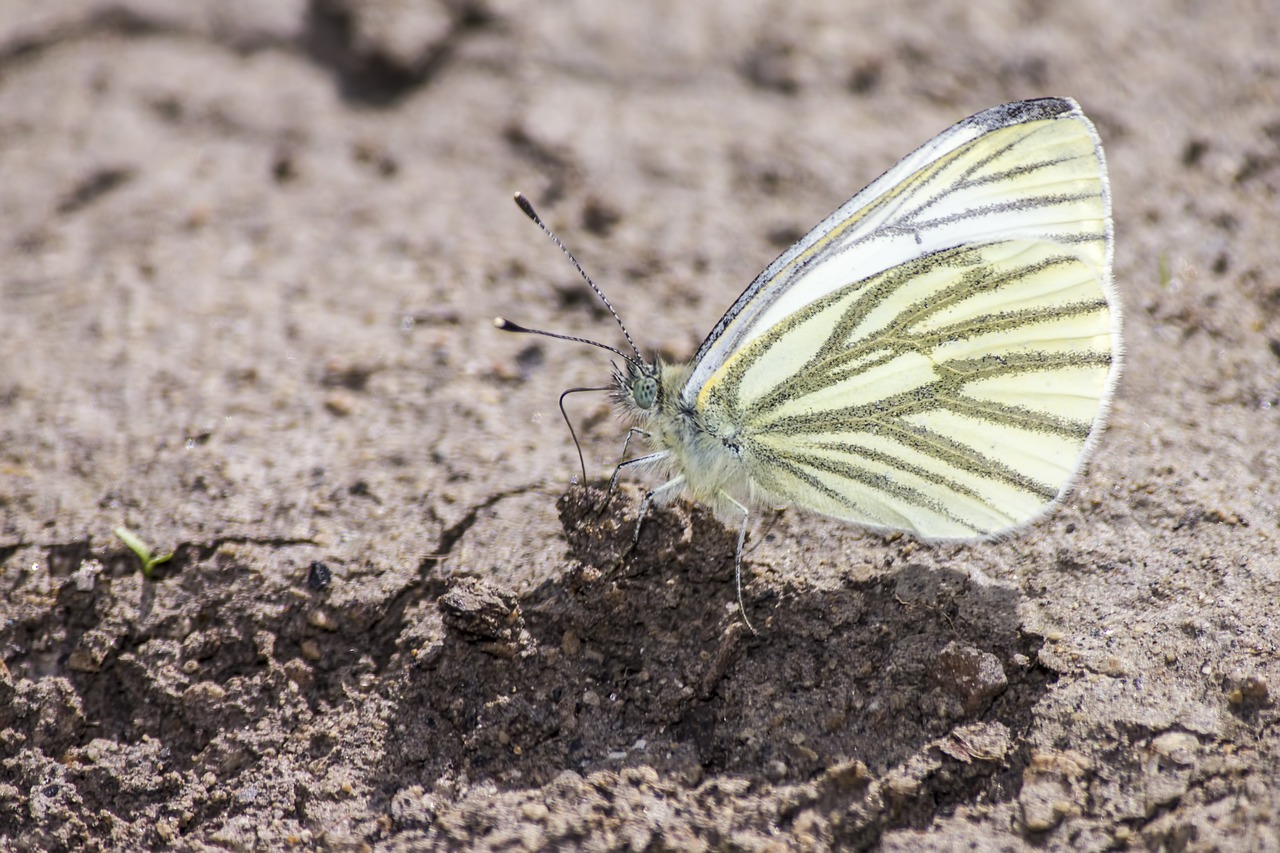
(937, 356)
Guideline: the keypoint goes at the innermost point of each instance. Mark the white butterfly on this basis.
(936, 356)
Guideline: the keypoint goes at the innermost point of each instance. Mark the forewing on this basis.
(939, 354)
(1030, 170)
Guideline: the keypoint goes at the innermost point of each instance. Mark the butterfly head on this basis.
(639, 387)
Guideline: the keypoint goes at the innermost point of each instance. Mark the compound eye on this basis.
(645, 392)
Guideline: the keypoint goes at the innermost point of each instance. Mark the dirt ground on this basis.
(249, 258)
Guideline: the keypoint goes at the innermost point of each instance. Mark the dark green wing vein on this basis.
(911, 219)
(1016, 416)
(953, 457)
(1020, 171)
(808, 471)
(842, 355)
(912, 225)
(933, 187)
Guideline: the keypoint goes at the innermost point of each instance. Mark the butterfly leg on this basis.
(613, 481)
(659, 494)
(631, 433)
(737, 557)
(617, 472)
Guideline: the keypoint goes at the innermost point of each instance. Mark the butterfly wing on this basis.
(937, 355)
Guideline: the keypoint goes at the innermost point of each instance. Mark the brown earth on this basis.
(249, 259)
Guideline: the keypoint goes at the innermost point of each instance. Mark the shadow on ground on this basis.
(632, 659)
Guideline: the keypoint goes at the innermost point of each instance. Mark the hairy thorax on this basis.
(697, 445)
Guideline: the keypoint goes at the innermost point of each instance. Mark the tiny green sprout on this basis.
(142, 549)
(1162, 269)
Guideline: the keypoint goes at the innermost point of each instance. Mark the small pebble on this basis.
(318, 576)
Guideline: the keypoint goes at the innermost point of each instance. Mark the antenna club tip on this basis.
(506, 325)
(522, 202)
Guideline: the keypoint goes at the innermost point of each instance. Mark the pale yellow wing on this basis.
(938, 355)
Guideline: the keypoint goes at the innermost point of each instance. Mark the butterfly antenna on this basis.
(506, 325)
(527, 206)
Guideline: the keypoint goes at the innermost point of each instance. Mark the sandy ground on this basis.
(250, 254)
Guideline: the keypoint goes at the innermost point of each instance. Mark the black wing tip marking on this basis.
(1020, 112)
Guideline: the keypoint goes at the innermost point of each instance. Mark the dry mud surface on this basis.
(249, 257)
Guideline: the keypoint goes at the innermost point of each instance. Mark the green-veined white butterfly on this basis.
(936, 356)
